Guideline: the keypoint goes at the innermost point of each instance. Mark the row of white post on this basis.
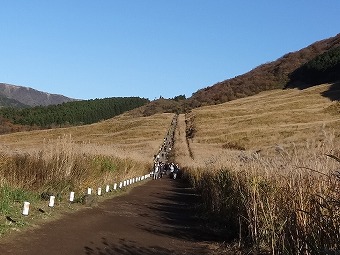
(115, 186)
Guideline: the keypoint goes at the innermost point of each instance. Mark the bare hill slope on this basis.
(270, 122)
(125, 136)
(31, 97)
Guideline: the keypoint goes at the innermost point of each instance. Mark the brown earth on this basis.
(158, 217)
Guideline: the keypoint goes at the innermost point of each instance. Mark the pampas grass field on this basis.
(57, 161)
(267, 168)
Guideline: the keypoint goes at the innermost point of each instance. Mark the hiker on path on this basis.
(156, 171)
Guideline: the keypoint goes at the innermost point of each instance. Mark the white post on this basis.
(26, 208)
(99, 191)
(115, 186)
(71, 196)
(107, 188)
(124, 184)
(120, 185)
(89, 191)
(51, 203)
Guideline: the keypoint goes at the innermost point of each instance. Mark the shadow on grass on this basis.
(333, 93)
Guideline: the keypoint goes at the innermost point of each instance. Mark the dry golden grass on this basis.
(281, 193)
(127, 143)
(57, 161)
(269, 121)
(138, 138)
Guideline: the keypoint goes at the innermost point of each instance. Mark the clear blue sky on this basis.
(90, 49)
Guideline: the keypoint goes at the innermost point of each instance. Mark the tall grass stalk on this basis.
(62, 166)
(287, 204)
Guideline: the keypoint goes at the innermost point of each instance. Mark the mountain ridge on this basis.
(268, 76)
(271, 75)
(31, 97)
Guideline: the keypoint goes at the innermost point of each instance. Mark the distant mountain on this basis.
(7, 102)
(29, 97)
(268, 76)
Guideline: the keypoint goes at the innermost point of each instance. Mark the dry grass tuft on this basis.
(288, 117)
(280, 195)
(36, 164)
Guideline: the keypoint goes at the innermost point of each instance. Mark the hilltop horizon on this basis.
(152, 49)
(288, 63)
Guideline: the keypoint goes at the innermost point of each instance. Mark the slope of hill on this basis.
(126, 136)
(272, 122)
(8, 102)
(268, 156)
(264, 77)
(31, 97)
(267, 122)
(321, 69)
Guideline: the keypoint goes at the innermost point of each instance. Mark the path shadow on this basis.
(125, 247)
(180, 216)
(177, 218)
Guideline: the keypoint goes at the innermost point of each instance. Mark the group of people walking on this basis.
(161, 166)
(160, 169)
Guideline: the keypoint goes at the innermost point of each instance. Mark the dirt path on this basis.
(155, 218)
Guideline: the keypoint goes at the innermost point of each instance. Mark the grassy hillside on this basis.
(268, 122)
(267, 169)
(260, 164)
(270, 118)
(36, 164)
(123, 136)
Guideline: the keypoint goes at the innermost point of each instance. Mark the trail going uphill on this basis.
(155, 218)
(158, 217)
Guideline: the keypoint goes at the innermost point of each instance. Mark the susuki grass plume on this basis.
(288, 204)
(62, 166)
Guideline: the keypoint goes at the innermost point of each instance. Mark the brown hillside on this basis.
(268, 76)
(124, 136)
(273, 120)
